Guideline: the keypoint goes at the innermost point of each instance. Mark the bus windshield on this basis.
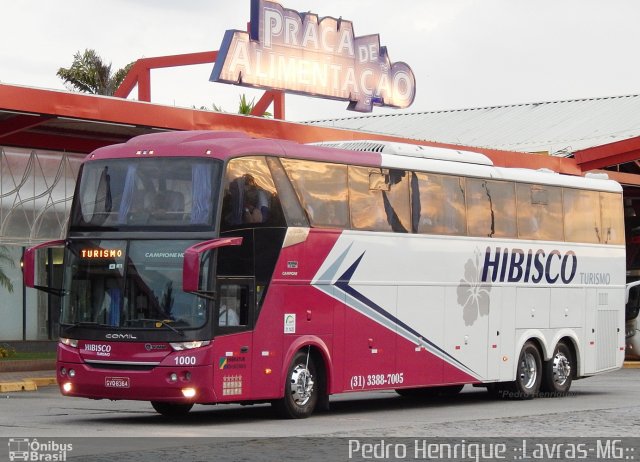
(129, 284)
(146, 192)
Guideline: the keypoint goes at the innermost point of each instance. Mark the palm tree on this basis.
(5, 259)
(89, 74)
(244, 107)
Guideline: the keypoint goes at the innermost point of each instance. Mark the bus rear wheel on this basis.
(171, 409)
(558, 371)
(301, 388)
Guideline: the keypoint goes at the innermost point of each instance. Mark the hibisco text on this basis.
(517, 265)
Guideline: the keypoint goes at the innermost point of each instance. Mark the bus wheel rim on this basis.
(561, 369)
(528, 370)
(301, 385)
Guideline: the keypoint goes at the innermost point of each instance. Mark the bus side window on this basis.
(539, 212)
(582, 216)
(438, 203)
(250, 195)
(234, 305)
(612, 218)
(491, 208)
(322, 190)
(289, 203)
(379, 199)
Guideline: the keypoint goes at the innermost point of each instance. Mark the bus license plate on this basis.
(116, 382)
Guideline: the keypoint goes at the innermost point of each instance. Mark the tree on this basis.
(5, 259)
(244, 107)
(89, 74)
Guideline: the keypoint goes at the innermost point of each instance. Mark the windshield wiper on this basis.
(170, 327)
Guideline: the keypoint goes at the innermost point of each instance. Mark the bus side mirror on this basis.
(193, 261)
(30, 273)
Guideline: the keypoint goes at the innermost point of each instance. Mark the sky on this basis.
(464, 53)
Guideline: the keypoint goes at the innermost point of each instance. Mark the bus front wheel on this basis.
(171, 409)
(301, 388)
(528, 376)
(558, 371)
(528, 373)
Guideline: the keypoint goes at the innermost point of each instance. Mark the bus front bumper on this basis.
(169, 384)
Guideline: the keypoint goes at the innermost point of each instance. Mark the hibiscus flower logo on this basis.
(473, 294)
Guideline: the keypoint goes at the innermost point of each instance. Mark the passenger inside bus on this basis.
(109, 297)
(252, 212)
(165, 205)
(246, 202)
(228, 316)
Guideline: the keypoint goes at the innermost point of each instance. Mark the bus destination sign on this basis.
(299, 53)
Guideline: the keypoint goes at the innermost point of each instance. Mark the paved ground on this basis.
(604, 407)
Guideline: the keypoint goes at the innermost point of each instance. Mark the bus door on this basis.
(234, 318)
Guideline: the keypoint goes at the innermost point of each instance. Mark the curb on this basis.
(25, 385)
(31, 384)
(43, 381)
(631, 365)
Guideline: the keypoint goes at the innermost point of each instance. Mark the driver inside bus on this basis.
(228, 316)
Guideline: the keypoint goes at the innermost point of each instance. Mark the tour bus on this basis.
(205, 267)
(632, 330)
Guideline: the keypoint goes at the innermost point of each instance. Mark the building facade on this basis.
(36, 188)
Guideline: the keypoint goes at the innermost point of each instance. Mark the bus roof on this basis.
(225, 145)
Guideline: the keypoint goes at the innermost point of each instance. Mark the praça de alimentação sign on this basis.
(297, 53)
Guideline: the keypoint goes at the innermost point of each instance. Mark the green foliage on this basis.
(6, 351)
(245, 107)
(89, 74)
(5, 261)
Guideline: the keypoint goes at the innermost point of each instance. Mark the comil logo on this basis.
(34, 450)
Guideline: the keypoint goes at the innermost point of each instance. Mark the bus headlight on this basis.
(73, 343)
(66, 387)
(188, 392)
(180, 346)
